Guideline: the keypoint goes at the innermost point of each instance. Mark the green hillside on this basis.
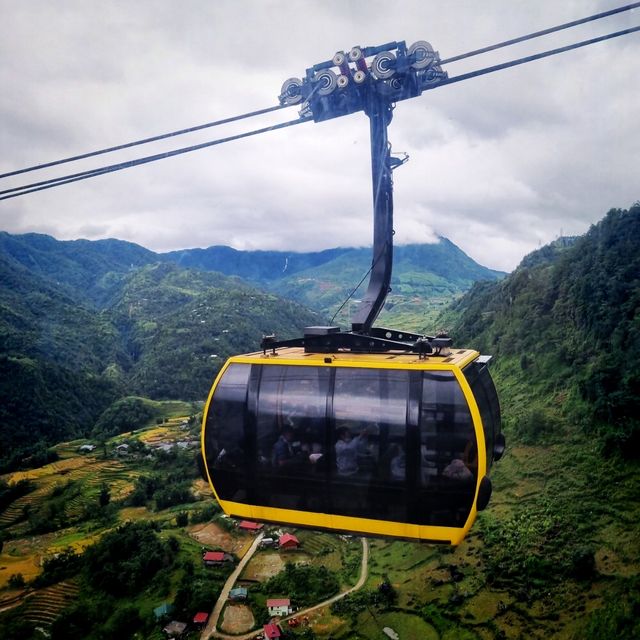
(83, 324)
(555, 556)
(424, 276)
(561, 539)
(564, 328)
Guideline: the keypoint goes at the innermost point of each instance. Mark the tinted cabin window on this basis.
(369, 443)
(370, 413)
(225, 443)
(484, 391)
(290, 433)
(448, 450)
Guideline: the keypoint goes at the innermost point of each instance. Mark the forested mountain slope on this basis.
(83, 324)
(560, 541)
(322, 280)
(565, 331)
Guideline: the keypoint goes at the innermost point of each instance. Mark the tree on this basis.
(105, 495)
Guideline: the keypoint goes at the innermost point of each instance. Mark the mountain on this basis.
(89, 268)
(83, 324)
(422, 273)
(565, 330)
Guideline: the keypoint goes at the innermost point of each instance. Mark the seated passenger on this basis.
(347, 450)
(283, 455)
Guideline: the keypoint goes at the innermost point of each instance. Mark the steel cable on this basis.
(83, 175)
(135, 143)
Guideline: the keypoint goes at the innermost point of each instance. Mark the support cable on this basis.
(535, 56)
(543, 32)
(83, 175)
(47, 184)
(353, 292)
(128, 145)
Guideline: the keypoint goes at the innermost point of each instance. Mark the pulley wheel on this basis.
(382, 66)
(290, 92)
(326, 81)
(424, 53)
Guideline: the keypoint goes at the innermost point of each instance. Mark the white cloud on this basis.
(499, 163)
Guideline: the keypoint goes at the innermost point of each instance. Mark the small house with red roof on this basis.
(279, 606)
(216, 558)
(252, 527)
(288, 542)
(271, 631)
(200, 619)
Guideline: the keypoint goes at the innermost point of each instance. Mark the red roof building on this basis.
(200, 618)
(271, 631)
(247, 525)
(288, 541)
(213, 556)
(279, 606)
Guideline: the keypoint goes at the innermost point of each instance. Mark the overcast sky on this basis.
(499, 164)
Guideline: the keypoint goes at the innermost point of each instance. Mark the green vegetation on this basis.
(85, 325)
(564, 331)
(304, 584)
(556, 554)
(126, 414)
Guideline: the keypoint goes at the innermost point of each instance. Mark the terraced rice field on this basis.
(46, 604)
(17, 509)
(87, 472)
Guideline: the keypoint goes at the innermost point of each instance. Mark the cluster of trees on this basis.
(162, 490)
(564, 329)
(126, 566)
(304, 584)
(125, 414)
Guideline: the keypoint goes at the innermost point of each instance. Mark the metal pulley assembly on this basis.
(342, 85)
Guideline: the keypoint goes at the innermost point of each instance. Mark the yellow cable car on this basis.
(381, 444)
(372, 431)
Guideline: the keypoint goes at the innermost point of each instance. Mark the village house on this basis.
(165, 609)
(216, 558)
(267, 542)
(238, 594)
(271, 631)
(175, 629)
(200, 619)
(279, 607)
(252, 527)
(288, 542)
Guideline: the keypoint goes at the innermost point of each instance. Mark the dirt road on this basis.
(211, 630)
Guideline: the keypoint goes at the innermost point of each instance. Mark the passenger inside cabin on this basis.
(457, 470)
(348, 449)
(398, 463)
(283, 453)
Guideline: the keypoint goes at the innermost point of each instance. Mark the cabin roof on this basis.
(296, 355)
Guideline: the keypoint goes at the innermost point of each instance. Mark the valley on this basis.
(559, 538)
(104, 518)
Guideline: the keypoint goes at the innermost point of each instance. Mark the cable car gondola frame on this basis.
(372, 431)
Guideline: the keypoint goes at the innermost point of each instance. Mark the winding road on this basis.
(211, 629)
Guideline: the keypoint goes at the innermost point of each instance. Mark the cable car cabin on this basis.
(377, 444)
